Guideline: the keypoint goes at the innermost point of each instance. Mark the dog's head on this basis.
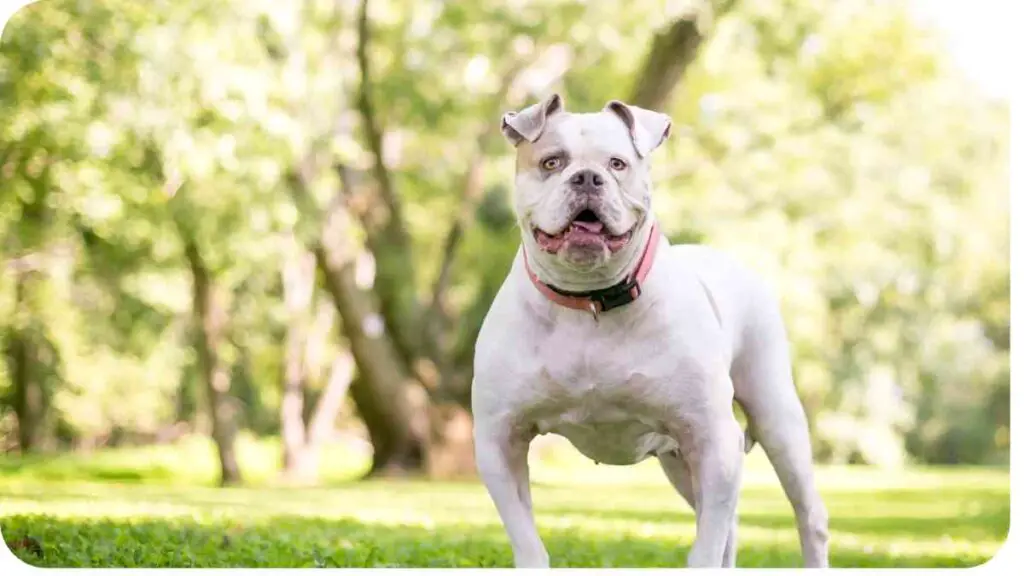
(583, 188)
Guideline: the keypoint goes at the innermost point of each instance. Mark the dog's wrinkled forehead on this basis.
(582, 137)
(619, 129)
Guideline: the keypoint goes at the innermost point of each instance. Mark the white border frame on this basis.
(1002, 563)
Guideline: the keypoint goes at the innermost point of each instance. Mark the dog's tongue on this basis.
(592, 227)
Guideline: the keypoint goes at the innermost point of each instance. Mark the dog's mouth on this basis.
(586, 230)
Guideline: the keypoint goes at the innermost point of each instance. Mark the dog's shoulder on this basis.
(510, 320)
(740, 298)
(722, 273)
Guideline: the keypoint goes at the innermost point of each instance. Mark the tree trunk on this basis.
(328, 406)
(297, 275)
(451, 454)
(28, 393)
(32, 358)
(390, 405)
(30, 402)
(383, 393)
(26, 365)
(296, 466)
(305, 345)
(210, 317)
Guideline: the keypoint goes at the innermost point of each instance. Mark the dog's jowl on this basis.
(628, 346)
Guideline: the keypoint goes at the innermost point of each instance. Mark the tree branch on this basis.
(392, 219)
(381, 215)
(331, 399)
(672, 52)
(472, 189)
(335, 254)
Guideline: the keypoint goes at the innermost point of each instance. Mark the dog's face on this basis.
(583, 189)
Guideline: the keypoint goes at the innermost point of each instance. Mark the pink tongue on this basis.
(594, 227)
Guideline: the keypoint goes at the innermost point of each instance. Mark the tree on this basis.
(417, 327)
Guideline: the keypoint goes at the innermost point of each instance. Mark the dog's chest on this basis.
(609, 435)
(611, 403)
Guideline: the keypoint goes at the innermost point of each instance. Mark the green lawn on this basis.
(149, 508)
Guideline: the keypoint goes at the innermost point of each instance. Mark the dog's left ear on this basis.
(647, 128)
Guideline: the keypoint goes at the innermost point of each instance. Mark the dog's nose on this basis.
(586, 181)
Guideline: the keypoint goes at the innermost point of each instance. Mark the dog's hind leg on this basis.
(776, 419)
(679, 476)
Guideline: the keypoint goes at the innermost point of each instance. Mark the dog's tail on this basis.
(748, 441)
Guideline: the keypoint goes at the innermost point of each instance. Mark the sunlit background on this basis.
(251, 243)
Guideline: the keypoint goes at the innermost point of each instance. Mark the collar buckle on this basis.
(618, 295)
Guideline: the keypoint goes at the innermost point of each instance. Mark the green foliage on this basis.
(842, 156)
(621, 517)
(829, 144)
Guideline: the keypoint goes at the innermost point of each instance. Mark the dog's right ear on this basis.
(528, 123)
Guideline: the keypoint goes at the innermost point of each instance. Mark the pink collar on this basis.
(608, 298)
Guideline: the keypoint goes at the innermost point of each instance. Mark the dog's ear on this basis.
(647, 128)
(528, 123)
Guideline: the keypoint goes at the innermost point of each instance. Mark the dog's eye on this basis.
(618, 164)
(551, 163)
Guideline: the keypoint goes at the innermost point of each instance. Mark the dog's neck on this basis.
(557, 280)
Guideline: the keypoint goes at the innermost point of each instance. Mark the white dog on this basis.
(627, 346)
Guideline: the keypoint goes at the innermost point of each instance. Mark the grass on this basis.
(149, 508)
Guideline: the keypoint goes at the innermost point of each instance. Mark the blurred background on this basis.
(254, 241)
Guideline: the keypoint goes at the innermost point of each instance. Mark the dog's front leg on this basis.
(501, 459)
(716, 460)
